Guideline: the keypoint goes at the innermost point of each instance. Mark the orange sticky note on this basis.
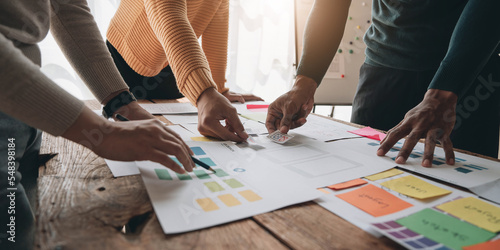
(347, 184)
(488, 245)
(374, 200)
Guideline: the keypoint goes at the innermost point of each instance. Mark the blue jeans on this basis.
(17, 198)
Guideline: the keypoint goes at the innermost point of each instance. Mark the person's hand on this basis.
(133, 111)
(213, 107)
(235, 97)
(432, 119)
(291, 109)
(131, 140)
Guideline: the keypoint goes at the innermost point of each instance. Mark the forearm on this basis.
(323, 33)
(29, 96)
(474, 40)
(214, 44)
(76, 32)
(170, 24)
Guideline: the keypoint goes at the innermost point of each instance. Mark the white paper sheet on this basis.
(183, 119)
(249, 187)
(320, 164)
(169, 108)
(242, 107)
(323, 129)
(364, 220)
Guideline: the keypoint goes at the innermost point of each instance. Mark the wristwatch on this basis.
(117, 102)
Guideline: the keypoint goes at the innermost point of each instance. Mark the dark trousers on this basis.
(384, 95)
(161, 86)
(18, 182)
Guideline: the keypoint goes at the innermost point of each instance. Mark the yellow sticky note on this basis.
(202, 138)
(414, 187)
(385, 174)
(475, 211)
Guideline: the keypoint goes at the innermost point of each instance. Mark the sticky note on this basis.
(369, 133)
(203, 138)
(250, 195)
(474, 211)
(445, 229)
(385, 174)
(374, 200)
(229, 200)
(415, 187)
(489, 245)
(198, 151)
(323, 190)
(347, 184)
(257, 106)
(207, 204)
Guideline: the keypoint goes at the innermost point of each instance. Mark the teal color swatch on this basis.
(163, 174)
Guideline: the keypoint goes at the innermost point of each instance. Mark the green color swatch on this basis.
(176, 161)
(221, 173)
(214, 186)
(184, 177)
(163, 174)
(201, 174)
(233, 183)
(445, 229)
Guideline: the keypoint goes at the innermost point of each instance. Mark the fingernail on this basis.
(426, 163)
(380, 152)
(451, 161)
(400, 160)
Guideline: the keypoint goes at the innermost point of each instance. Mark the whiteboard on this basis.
(341, 80)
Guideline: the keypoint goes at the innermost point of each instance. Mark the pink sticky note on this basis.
(369, 133)
(257, 106)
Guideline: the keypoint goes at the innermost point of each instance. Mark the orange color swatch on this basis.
(347, 184)
(374, 200)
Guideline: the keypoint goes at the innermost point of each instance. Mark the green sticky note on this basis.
(445, 229)
(233, 183)
(201, 174)
(214, 186)
(163, 174)
(184, 177)
(221, 173)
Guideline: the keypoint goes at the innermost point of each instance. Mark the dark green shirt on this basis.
(456, 37)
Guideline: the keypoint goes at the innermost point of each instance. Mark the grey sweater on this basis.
(26, 93)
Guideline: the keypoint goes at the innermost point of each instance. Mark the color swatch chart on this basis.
(227, 190)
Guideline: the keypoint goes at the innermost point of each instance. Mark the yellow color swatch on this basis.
(229, 200)
(385, 174)
(475, 211)
(414, 187)
(207, 204)
(250, 196)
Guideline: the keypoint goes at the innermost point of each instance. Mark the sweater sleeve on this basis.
(323, 33)
(169, 21)
(473, 42)
(214, 43)
(29, 96)
(76, 32)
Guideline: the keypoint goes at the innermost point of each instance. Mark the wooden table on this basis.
(82, 206)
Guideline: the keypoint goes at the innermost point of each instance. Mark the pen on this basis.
(200, 163)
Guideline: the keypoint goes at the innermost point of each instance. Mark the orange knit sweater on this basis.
(151, 34)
